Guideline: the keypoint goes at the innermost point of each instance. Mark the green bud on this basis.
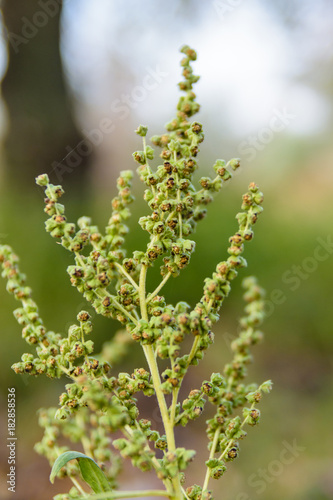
(149, 153)
(83, 316)
(234, 163)
(42, 180)
(84, 222)
(254, 397)
(89, 345)
(218, 471)
(141, 130)
(266, 386)
(139, 157)
(217, 379)
(63, 413)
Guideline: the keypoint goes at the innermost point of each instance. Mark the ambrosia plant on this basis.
(98, 409)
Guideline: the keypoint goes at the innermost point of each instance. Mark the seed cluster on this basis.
(99, 408)
(176, 204)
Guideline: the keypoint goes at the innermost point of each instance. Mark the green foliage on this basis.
(99, 402)
(91, 473)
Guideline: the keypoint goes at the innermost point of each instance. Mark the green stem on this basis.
(79, 487)
(101, 294)
(190, 357)
(231, 442)
(125, 273)
(203, 189)
(193, 350)
(175, 393)
(161, 285)
(79, 259)
(211, 455)
(142, 292)
(123, 310)
(185, 495)
(155, 463)
(105, 293)
(66, 372)
(197, 338)
(84, 439)
(150, 356)
(128, 494)
(180, 219)
(147, 163)
(151, 360)
(149, 353)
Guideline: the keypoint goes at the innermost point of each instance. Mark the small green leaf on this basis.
(91, 472)
(266, 386)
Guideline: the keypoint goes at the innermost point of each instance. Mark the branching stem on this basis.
(160, 286)
(79, 487)
(128, 494)
(211, 455)
(151, 360)
(125, 273)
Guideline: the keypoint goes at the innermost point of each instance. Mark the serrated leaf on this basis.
(91, 472)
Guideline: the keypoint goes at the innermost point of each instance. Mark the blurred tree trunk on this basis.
(41, 129)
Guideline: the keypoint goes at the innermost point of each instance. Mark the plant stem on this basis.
(175, 393)
(160, 397)
(161, 285)
(211, 455)
(180, 219)
(142, 292)
(197, 338)
(84, 439)
(147, 162)
(153, 460)
(231, 442)
(125, 273)
(150, 356)
(101, 294)
(151, 360)
(193, 350)
(79, 487)
(128, 494)
(185, 495)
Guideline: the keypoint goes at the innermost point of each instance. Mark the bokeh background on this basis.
(68, 71)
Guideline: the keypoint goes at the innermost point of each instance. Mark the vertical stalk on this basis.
(79, 487)
(211, 455)
(151, 360)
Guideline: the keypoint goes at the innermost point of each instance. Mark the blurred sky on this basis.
(251, 62)
(255, 58)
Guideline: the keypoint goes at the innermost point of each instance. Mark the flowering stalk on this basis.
(97, 401)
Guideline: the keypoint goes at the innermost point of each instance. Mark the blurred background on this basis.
(77, 79)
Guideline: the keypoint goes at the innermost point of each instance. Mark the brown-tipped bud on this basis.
(83, 316)
(232, 453)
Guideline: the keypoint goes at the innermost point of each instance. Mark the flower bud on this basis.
(141, 130)
(42, 180)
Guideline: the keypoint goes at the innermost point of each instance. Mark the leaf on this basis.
(91, 472)
(266, 386)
